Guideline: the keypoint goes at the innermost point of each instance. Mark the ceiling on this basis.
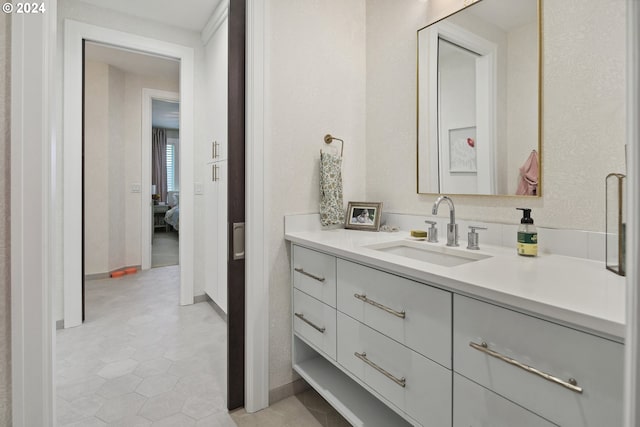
(190, 15)
(134, 62)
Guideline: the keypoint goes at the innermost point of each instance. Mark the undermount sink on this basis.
(422, 251)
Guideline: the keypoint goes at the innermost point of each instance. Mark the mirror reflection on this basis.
(478, 101)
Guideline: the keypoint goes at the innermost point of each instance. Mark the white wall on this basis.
(583, 112)
(315, 67)
(5, 209)
(113, 129)
(134, 84)
(522, 117)
(79, 11)
(116, 195)
(96, 199)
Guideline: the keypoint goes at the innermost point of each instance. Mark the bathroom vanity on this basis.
(450, 337)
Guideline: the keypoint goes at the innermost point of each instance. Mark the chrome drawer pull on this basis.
(400, 314)
(402, 382)
(571, 384)
(301, 271)
(317, 328)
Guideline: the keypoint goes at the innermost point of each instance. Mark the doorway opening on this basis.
(115, 155)
(165, 182)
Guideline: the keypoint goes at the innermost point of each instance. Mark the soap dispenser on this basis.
(527, 235)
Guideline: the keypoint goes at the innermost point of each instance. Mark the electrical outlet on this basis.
(135, 188)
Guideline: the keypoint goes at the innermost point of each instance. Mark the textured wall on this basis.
(113, 141)
(315, 85)
(117, 170)
(5, 277)
(583, 112)
(96, 200)
(134, 84)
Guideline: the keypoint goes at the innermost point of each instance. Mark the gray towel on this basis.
(331, 204)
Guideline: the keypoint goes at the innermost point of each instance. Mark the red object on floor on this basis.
(131, 270)
(118, 273)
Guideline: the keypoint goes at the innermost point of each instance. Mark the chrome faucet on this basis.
(452, 227)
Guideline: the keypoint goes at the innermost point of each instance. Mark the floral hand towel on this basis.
(331, 204)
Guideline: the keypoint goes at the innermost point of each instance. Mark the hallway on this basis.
(141, 358)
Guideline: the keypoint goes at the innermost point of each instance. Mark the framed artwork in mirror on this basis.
(462, 150)
(364, 216)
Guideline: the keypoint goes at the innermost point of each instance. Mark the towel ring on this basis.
(328, 139)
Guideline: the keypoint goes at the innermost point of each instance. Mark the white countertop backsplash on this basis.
(567, 282)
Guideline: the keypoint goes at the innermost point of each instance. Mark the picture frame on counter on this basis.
(363, 216)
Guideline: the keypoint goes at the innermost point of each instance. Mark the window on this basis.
(173, 176)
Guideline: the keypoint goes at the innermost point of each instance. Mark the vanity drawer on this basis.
(315, 322)
(475, 406)
(595, 363)
(315, 274)
(426, 394)
(414, 314)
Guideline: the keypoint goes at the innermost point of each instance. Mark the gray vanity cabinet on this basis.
(434, 357)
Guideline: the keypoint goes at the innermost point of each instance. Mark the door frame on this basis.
(632, 338)
(256, 233)
(34, 190)
(75, 32)
(146, 240)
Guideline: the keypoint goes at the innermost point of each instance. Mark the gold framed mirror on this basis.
(479, 101)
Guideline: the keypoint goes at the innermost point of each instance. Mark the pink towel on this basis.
(528, 185)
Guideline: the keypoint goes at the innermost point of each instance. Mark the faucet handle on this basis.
(473, 240)
(432, 234)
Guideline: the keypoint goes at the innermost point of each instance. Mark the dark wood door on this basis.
(236, 204)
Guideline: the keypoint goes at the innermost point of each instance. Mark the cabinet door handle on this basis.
(313, 276)
(214, 173)
(400, 314)
(402, 382)
(571, 384)
(314, 326)
(214, 149)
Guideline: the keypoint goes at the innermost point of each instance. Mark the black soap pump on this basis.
(527, 235)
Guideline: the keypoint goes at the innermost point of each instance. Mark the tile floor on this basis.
(164, 248)
(140, 359)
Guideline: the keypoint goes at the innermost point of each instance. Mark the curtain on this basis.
(159, 162)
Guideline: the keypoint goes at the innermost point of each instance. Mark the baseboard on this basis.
(215, 307)
(201, 298)
(284, 391)
(60, 324)
(99, 276)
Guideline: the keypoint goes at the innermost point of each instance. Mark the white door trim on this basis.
(257, 238)
(632, 341)
(75, 32)
(429, 126)
(33, 202)
(148, 95)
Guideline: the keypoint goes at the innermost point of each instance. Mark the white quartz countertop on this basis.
(577, 292)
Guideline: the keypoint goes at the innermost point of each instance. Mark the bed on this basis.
(172, 217)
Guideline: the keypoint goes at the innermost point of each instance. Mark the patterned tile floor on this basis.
(140, 359)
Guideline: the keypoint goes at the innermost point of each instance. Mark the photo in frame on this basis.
(462, 150)
(364, 216)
